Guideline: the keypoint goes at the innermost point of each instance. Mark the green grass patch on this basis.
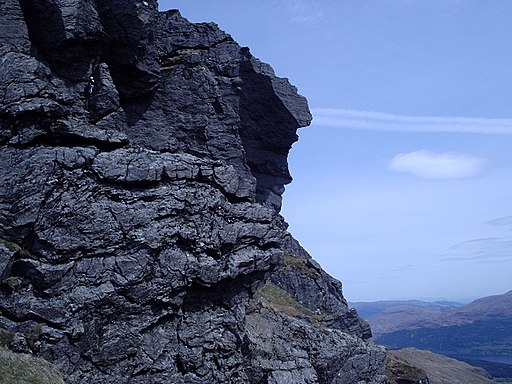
(18, 368)
(281, 301)
(6, 338)
(299, 264)
(22, 252)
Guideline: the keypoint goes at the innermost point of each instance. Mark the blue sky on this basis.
(402, 184)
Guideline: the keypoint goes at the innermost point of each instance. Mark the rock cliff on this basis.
(140, 235)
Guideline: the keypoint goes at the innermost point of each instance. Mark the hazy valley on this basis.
(479, 333)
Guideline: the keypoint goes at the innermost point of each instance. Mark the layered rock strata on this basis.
(141, 240)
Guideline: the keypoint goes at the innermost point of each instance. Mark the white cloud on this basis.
(433, 165)
(367, 120)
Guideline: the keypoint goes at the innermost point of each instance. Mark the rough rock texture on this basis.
(139, 226)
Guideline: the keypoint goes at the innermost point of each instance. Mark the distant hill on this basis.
(481, 338)
(497, 370)
(389, 316)
(476, 332)
(439, 369)
(400, 371)
(368, 309)
(490, 306)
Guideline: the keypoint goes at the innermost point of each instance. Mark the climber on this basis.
(88, 90)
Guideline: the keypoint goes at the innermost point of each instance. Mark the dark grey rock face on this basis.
(139, 224)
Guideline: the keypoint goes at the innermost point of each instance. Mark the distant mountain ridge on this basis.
(490, 306)
(367, 309)
(389, 316)
(479, 333)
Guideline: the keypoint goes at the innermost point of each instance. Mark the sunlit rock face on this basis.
(140, 235)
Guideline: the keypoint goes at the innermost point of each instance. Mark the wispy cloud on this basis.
(433, 165)
(496, 249)
(367, 120)
(304, 11)
(502, 221)
(402, 268)
(487, 250)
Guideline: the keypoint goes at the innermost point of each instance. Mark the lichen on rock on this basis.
(139, 222)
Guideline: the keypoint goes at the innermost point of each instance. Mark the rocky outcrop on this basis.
(139, 224)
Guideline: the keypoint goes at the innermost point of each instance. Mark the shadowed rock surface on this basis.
(140, 228)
